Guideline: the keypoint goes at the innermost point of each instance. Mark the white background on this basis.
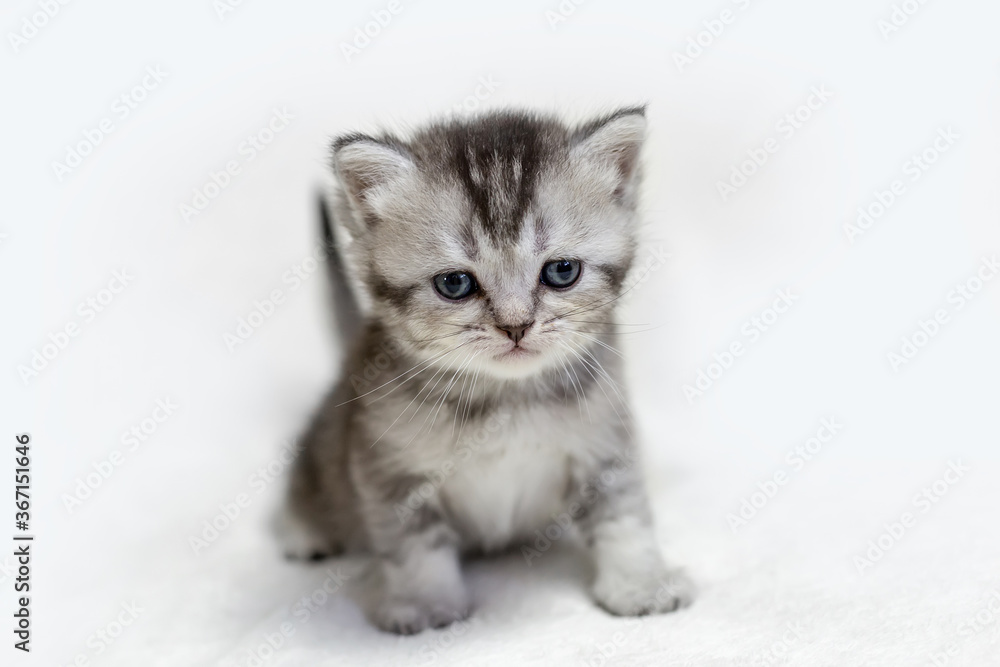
(162, 337)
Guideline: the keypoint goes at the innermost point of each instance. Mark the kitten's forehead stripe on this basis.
(469, 242)
(541, 235)
(498, 161)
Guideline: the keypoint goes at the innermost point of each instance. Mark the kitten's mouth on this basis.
(515, 352)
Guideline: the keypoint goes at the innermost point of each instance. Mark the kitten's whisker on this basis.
(598, 341)
(460, 372)
(588, 366)
(421, 363)
(581, 392)
(609, 323)
(597, 381)
(626, 333)
(581, 397)
(427, 340)
(468, 405)
(430, 392)
(605, 373)
(444, 393)
(562, 370)
(593, 305)
(604, 332)
(623, 404)
(631, 287)
(403, 412)
(458, 405)
(442, 372)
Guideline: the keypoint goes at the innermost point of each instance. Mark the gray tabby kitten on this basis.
(481, 407)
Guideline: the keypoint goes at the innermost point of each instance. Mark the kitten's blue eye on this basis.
(456, 285)
(560, 273)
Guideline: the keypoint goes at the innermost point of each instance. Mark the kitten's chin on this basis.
(515, 364)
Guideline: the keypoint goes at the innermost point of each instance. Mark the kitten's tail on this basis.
(346, 310)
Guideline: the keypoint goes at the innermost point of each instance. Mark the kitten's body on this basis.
(453, 429)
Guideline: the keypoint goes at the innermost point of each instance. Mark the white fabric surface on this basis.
(784, 589)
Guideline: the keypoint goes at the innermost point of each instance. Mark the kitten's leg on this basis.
(318, 518)
(417, 557)
(631, 577)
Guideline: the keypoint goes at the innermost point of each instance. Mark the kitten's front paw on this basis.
(626, 593)
(408, 617)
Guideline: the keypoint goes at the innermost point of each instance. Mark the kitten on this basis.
(481, 405)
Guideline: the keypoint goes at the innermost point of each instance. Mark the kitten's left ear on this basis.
(365, 164)
(614, 141)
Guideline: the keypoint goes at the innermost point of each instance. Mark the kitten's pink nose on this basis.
(515, 331)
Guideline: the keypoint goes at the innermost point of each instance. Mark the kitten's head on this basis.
(498, 243)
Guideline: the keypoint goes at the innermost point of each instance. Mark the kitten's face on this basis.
(498, 245)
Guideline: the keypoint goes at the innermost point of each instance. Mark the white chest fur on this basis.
(511, 484)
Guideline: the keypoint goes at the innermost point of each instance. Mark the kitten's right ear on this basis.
(365, 164)
(614, 142)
